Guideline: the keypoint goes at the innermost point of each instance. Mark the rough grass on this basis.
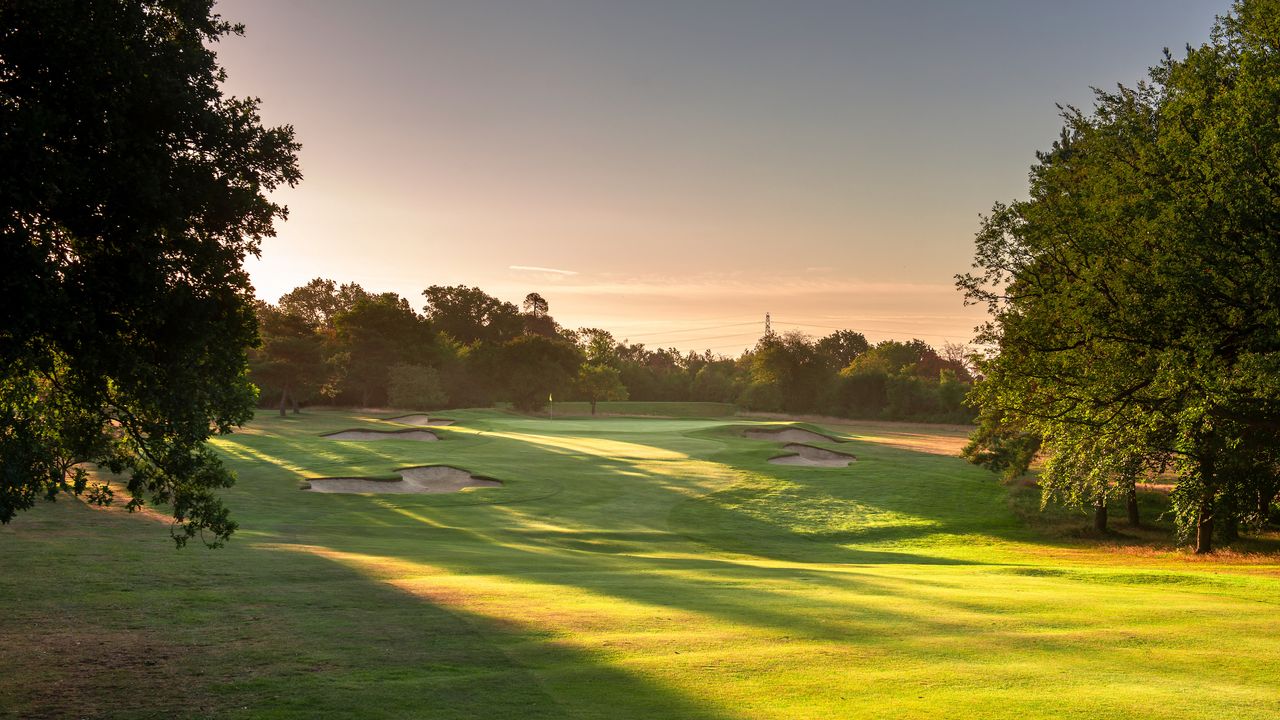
(628, 568)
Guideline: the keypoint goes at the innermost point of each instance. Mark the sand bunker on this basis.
(788, 435)
(422, 435)
(437, 479)
(421, 421)
(813, 457)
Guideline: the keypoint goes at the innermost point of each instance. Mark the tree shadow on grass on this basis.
(306, 634)
(260, 632)
(615, 509)
(720, 516)
(699, 606)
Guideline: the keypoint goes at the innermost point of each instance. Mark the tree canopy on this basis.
(133, 191)
(470, 314)
(600, 382)
(290, 359)
(1135, 295)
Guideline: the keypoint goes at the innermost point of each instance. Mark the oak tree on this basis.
(1135, 295)
(133, 191)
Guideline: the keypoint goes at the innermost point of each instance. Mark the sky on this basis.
(674, 170)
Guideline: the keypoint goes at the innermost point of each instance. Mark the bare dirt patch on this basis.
(421, 420)
(365, 435)
(434, 479)
(797, 435)
(812, 457)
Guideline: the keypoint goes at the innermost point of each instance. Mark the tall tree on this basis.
(598, 346)
(842, 347)
(536, 305)
(792, 364)
(533, 367)
(470, 315)
(1135, 295)
(713, 383)
(537, 317)
(291, 359)
(320, 300)
(600, 382)
(133, 190)
(376, 333)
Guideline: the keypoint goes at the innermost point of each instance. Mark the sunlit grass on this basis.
(639, 568)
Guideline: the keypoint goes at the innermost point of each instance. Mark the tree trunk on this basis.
(284, 395)
(1204, 530)
(593, 408)
(1100, 516)
(294, 400)
(1131, 505)
(1204, 518)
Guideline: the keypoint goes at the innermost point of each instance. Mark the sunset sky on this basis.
(672, 171)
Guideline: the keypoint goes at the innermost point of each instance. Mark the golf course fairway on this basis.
(624, 568)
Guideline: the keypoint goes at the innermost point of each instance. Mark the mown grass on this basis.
(630, 408)
(628, 568)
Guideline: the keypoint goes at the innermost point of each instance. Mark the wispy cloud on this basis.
(534, 268)
(755, 285)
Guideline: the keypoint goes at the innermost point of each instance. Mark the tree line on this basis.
(333, 343)
(1135, 295)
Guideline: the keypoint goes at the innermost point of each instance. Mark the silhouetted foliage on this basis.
(133, 191)
(470, 315)
(320, 301)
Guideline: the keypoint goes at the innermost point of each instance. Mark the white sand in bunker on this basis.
(813, 457)
(437, 479)
(422, 435)
(421, 420)
(788, 435)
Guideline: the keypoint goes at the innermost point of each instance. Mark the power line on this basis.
(713, 337)
(913, 333)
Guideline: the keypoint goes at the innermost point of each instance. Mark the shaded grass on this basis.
(1157, 532)
(629, 568)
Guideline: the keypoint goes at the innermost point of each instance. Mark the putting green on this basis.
(630, 568)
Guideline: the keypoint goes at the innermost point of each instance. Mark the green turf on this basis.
(654, 409)
(628, 568)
